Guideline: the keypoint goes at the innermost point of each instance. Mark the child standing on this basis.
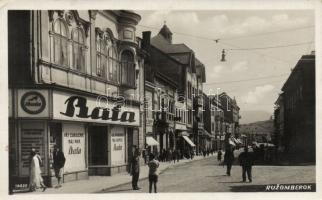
(153, 173)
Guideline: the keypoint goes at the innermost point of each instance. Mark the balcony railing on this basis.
(165, 116)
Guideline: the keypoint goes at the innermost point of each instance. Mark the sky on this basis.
(253, 76)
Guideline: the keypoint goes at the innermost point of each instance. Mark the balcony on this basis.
(164, 117)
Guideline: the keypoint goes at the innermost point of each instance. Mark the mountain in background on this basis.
(265, 128)
(250, 116)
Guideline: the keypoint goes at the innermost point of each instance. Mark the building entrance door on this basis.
(97, 145)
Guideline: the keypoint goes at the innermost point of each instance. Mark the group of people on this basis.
(35, 179)
(170, 155)
(245, 159)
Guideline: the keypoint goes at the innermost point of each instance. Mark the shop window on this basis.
(78, 49)
(128, 69)
(60, 37)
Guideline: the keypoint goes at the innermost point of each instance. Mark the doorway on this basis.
(97, 145)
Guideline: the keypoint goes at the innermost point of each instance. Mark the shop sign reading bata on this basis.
(88, 109)
(33, 103)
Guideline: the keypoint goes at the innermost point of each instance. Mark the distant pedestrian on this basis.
(229, 159)
(174, 156)
(135, 169)
(191, 154)
(178, 155)
(58, 165)
(246, 161)
(153, 173)
(35, 181)
(219, 155)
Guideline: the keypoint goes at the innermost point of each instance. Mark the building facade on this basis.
(299, 110)
(76, 84)
(178, 63)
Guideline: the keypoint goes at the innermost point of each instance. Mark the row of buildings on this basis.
(84, 81)
(294, 115)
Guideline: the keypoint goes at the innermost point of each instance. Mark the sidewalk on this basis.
(99, 183)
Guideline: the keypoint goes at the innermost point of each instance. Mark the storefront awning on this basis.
(184, 133)
(150, 141)
(189, 141)
(231, 142)
(239, 141)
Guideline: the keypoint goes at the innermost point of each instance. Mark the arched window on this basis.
(128, 68)
(113, 65)
(60, 39)
(78, 49)
(101, 56)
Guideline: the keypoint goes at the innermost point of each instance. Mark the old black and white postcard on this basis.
(162, 99)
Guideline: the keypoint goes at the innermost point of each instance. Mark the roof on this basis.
(305, 59)
(165, 30)
(160, 42)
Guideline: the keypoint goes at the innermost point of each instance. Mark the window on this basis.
(78, 49)
(60, 38)
(101, 57)
(113, 68)
(128, 68)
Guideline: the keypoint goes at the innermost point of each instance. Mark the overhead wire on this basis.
(247, 80)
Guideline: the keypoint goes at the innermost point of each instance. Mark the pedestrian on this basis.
(135, 169)
(170, 155)
(219, 155)
(153, 173)
(36, 181)
(59, 163)
(174, 156)
(178, 155)
(191, 154)
(229, 159)
(246, 161)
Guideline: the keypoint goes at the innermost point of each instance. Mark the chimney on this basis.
(146, 40)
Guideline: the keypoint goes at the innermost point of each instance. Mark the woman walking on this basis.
(36, 180)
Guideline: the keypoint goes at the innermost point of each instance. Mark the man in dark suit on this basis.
(59, 162)
(246, 161)
(229, 158)
(135, 169)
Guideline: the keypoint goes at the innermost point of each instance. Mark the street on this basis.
(208, 176)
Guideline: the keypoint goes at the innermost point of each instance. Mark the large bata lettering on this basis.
(97, 112)
(81, 104)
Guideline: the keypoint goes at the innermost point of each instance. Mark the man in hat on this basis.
(246, 161)
(135, 168)
(58, 165)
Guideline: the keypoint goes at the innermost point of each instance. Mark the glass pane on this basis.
(75, 56)
(103, 64)
(64, 58)
(98, 46)
(80, 36)
(75, 35)
(57, 26)
(124, 73)
(98, 65)
(63, 28)
(81, 58)
(57, 49)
